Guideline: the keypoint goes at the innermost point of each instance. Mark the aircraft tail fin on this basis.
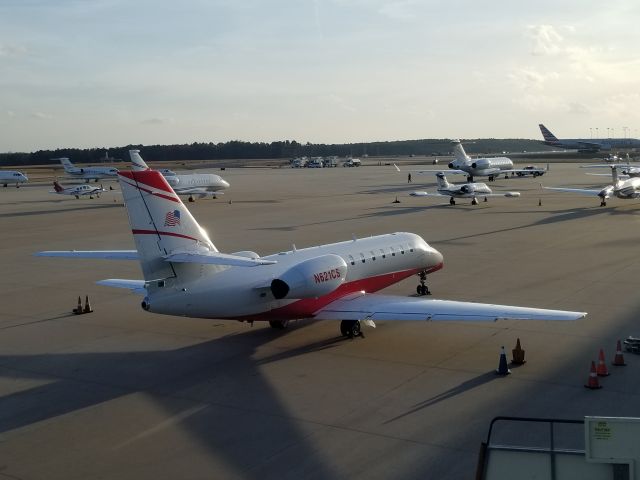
(442, 181)
(68, 166)
(459, 153)
(162, 225)
(57, 187)
(546, 133)
(137, 163)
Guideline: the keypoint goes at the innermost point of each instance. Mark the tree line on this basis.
(286, 149)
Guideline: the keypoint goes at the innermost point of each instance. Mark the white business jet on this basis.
(462, 190)
(198, 184)
(78, 190)
(186, 275)
(491, 167)
(9, 176)
(88, 173)
(625, 189)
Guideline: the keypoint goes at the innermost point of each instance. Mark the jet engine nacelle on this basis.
(311, 278)
(480, 164)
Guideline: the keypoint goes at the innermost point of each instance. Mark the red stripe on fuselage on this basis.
(307, 307)
(170, 234)
(155, 192)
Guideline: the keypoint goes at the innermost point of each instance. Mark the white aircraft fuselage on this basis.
(9, 177)
(484, 167)
(368, 264)
(88, 173)
(196, 183)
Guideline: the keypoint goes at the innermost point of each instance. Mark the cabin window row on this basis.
(381, 253)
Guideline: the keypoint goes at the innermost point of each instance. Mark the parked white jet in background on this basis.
(198, 184)
(462, 190)
(78, 190)
(624, 189)
(186, 275)
(9, 176)
(88, 173)
(491, 167)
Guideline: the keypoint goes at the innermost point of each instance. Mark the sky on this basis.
(106, 73)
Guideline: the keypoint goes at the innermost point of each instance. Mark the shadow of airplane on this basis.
(215, 390)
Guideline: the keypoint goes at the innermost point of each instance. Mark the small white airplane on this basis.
(462, 190)
(88, 173)
(186, 275)
(626, 170)
(491, 167)
(198, 184)
(624, 189)
(9, 176)
(78, 190)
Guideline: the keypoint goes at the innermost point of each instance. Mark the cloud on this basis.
(158, 121)
(576, 108)
(11, 114)
(8, 50)
(398, 10)
(527, 78)
(546, 39)
(41, 116)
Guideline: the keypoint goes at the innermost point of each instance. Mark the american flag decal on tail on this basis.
(171, 219)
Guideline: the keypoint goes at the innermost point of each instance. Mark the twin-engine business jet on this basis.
(78, 190)
(625, 189)
(88, 173)
(9, 176)
(465, 190)
(481, 167)
(198, 184)
(184, 273)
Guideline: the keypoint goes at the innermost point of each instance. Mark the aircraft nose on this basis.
(435, 257)
(224, 183)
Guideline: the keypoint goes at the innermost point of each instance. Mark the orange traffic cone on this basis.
(618, 360)
(78, 309)
(593, 383)
(87, 306)
(518, 354)
(602, 370)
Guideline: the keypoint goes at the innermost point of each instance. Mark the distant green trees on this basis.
(285, 149)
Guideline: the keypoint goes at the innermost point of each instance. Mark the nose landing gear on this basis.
(422, 289)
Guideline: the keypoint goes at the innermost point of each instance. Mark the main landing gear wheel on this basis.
(351, 328)
(191, 199)
(474, 201)
(422, 289)
(279, 324)
(603, 203)
(452, 201)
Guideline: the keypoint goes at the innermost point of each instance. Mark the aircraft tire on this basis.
(350, 328)
(279, 324)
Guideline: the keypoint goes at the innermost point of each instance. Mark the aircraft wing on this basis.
(465, 195)
(216, 258)
(435, 170)
(136, 286)
(582, 191)
(362, 306)
(427, 194)
(102, 254)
